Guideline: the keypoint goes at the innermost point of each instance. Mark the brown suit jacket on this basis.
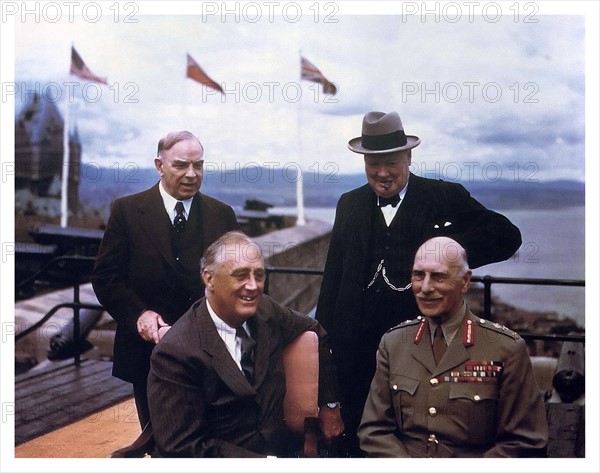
(136, 270)
(201, 404)
(411, 398)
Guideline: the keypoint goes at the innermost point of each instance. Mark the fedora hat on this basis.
(382, 133)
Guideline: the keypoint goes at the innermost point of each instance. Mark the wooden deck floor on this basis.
(65, 393)
(94, 436)
(57, 394)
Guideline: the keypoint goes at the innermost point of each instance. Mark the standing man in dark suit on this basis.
(147, 269)
(366, 287)
(449, 384)
(216, 383)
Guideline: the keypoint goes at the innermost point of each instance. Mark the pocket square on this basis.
(446, 224)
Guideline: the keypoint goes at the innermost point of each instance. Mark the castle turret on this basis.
(39, 151)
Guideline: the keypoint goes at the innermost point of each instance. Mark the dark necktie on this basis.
(179, 221)
(439, 345)
(393, 201)
(247, 361)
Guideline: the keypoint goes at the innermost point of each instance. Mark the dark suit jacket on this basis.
(500, 416)
(486, 235)
(201, 404)
(135, 270)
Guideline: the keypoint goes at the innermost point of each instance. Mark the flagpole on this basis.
(64, 188)
(300, 220)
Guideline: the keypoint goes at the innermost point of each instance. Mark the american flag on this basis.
(195, 72)
(308, 71)
(79, 69)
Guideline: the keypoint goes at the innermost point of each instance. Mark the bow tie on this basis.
(393, 201)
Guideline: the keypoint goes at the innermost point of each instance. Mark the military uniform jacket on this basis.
(480, 401)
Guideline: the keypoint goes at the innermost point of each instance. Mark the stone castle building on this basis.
(39, 156)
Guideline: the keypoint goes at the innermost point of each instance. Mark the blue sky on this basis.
(499, 92)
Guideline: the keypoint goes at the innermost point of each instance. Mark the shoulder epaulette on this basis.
(496, 327)
(406, 323)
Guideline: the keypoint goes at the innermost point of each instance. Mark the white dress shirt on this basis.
(227, 334)
(388, 211)
(169, 201)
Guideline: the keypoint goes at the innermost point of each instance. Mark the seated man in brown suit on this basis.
(216, 382)
(449, 384)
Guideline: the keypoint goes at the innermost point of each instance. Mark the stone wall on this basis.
(296, 247)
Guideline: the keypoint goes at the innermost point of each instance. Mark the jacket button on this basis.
(432, 411)
(477, 398)
(433, 381)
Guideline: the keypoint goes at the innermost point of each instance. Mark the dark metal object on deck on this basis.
(569, 380)
(66, 344)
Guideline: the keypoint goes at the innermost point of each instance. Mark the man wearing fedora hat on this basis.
(378, 227)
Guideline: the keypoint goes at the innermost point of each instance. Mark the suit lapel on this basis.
(415, 206)
(422, 351)
(155, 223)
(456, 354)
(264, 348)
(222, 362)
(362, 210)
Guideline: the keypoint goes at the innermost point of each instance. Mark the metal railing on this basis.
(75, 270)
(77, 278)
(487, 282)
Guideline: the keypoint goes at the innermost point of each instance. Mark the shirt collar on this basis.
(450, 327)
(403, 191)
(388, 211)
(226, 332)
(169, 202)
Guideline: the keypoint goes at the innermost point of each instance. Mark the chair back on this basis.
(301, 365)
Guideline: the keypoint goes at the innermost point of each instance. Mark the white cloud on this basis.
(453, 84)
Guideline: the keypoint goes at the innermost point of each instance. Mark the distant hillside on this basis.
(278, 187)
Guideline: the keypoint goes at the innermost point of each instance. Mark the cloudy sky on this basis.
(501, 92)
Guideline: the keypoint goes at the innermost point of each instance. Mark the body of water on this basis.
(553, 247)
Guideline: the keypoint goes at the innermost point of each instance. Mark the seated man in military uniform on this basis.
(449, 384)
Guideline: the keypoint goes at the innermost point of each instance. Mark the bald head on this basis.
(440, 249)
(440, 277)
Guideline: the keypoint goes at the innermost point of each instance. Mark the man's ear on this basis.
(466, 281)
(207, 278)
(158, 164)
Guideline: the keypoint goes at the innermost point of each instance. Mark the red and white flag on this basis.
(195, 72)
(308, 71)
(79, 69)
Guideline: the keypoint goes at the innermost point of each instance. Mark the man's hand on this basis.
(331, 421)
(148, 324)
